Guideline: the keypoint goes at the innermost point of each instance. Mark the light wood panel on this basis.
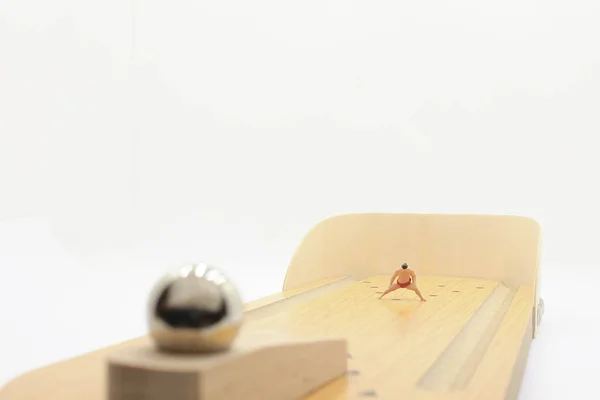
(284, 295)
(498, 247)
(503, 364)
(84, 376)
(393, 343)
(258, 367)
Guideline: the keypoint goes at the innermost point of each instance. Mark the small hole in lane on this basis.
(369, 393)
(374, 287)
(456, 291)
(479, 287)
(379, 292)
(441, 285)
(433, 295)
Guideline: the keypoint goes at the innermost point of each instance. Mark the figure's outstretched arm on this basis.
(413, 276)
(393, 277)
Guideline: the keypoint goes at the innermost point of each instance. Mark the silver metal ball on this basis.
(194, 308)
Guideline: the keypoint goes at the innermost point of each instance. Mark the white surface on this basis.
(112, 127)
(563, 358)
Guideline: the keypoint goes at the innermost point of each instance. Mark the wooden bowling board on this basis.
(469, 340)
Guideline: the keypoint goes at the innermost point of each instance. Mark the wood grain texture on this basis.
(84, 376)
(258, 367)
(502, 367)
(284, 295)
(470, 340)
(393, 342)
(498, 247)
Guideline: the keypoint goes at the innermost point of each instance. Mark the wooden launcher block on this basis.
(254, 369)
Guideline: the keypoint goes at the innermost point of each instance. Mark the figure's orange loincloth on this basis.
(405, 284)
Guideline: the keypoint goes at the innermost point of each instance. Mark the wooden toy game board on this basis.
(469, 340)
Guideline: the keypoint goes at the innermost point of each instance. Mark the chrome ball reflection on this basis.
(194, 308)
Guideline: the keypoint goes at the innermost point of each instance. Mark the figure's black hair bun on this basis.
(405, 265)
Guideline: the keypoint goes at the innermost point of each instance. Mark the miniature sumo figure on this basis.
(404, 278)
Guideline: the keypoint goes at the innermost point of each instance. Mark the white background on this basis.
(136, 135)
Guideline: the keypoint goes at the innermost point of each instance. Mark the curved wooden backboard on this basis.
(499, 247)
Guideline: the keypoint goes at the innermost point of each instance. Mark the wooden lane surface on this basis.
(288, 294)
(394, 341)
(504, 361)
